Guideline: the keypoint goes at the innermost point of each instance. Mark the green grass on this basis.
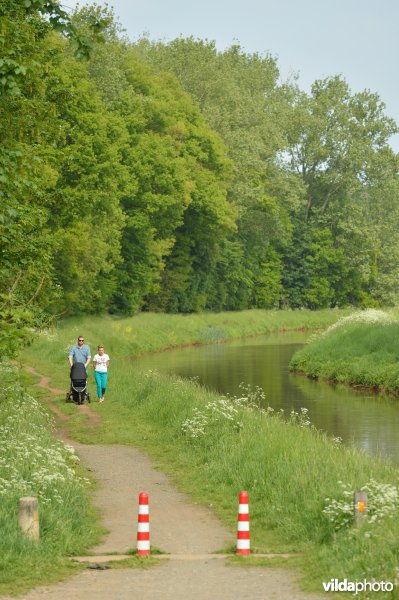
(361, 352)
(33, 463)
(149, 332)
(288, 470)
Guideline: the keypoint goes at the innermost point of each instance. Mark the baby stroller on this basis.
(78, 392)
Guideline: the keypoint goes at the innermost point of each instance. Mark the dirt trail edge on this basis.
(177, 526)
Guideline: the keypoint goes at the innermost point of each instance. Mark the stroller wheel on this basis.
(68, 397)
(88, 398)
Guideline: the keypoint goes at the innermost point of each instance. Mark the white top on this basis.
(101, 363)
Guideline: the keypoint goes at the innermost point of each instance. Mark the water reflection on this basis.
(371, 422)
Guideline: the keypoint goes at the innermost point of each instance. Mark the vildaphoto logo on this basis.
(335, 585)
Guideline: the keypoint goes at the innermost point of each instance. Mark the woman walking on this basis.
(101, 364)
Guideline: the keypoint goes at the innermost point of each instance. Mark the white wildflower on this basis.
(382, 502)
(31, 462)
(370, 315)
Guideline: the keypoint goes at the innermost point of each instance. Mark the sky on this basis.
(358, 39)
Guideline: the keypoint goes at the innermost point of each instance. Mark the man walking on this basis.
(80, 353)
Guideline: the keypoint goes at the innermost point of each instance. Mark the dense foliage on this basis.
(174, 177)
(314, 223)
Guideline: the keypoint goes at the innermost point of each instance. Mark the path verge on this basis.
(178, 527)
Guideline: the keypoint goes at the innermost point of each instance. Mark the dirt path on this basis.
(179, 527)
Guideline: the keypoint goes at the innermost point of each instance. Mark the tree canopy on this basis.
(176, 177)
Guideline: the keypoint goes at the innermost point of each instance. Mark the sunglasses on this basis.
(80, 340)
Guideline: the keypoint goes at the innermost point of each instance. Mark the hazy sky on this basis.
(314, 38)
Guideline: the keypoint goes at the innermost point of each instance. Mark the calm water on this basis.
(371, 422)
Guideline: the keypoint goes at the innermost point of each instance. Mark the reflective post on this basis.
(360, 508)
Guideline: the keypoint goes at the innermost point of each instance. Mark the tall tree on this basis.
(336, 140)
(26, 128)
(240, 96)
(177, 202)
(86, 218)
(338, 145)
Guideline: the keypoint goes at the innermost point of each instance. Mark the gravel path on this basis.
(177, 526)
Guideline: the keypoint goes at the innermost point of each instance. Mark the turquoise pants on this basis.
(101, 381)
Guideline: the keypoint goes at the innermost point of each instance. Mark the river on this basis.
(370, 422)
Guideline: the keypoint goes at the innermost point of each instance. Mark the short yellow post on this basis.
(28, 518)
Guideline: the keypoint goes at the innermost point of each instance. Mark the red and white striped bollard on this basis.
(243, 540)
(143, 526)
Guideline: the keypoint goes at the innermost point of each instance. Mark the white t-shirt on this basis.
(101, 363)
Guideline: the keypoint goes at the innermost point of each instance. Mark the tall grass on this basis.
(151, 332)
(362, 349)
(33, 463)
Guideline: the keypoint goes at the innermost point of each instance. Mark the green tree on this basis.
(27, 127)
(86, 217)
(339, 151)
(28, 168)
(336, 140)
(241, 99)
(268, 287)
(177, 212)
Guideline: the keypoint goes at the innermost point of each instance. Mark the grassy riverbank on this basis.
(361, 349)
(152, 332)
(297, 478)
